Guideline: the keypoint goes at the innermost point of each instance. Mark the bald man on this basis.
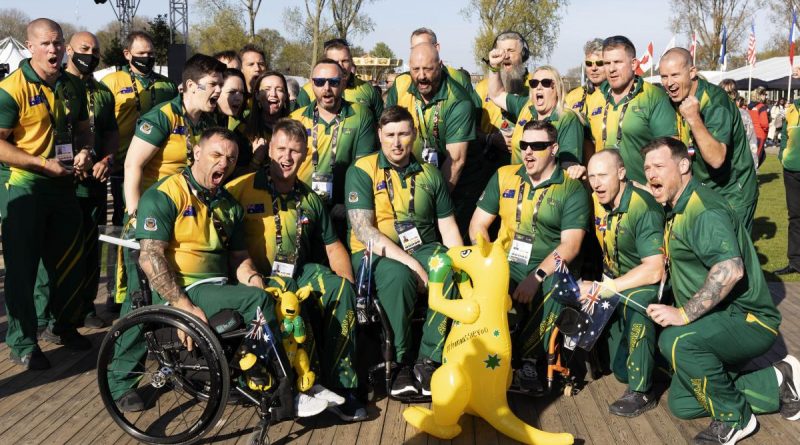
(444, 119)
(44, 143)
(629, 225)
(711, 127)
(83, 56)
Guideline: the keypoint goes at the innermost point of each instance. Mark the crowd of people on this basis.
(238, 179)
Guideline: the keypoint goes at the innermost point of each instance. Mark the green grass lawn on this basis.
(771, 220)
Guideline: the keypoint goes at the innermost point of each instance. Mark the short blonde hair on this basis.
(558, 86)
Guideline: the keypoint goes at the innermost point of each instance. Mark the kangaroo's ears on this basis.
(304, 292)
(274, 292)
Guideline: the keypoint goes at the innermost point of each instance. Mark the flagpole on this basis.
(789, 87)
(750, 83)
(629, 299)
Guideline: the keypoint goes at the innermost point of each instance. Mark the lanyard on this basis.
(684, 130)
(295, 195)
(390, 190)
(315, 141)
(667, 234)
(608, 265)
(136, 91)
(423, 124)
(205, 197)
(90, 93)
(187, 124)
(535, 216)
(627, 99)
(52, 116)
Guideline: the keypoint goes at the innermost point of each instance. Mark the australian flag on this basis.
(599, 306)
(565, 289)
(262, 340)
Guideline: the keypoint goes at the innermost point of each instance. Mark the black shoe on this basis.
(112, 306)
(33, 361)
(93, 321)
(786, 271)
(789, 391)
(720, 433)
(70, 339)
(352, 410)
(423, 371)
(404, 383)
(130, 402)
(526, 379)
(632, 403)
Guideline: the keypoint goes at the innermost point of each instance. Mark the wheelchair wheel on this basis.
(184, 392)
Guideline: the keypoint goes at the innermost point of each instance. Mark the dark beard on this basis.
(514, 80)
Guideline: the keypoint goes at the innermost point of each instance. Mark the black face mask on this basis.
(143, 64)
(85, 63)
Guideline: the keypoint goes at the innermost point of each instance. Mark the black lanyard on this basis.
(627, 99)
(608, 265)
(136, 91)
(189, 131)
(315, 141)
(50, 113)
(423, 124)
(535, 215)
(390, 190)
(295, 195)
(90, 93)
(205, 197)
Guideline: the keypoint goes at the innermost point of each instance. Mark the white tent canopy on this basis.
(765, 70)
(12, 52)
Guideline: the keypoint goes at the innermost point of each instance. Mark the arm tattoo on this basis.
(364, 225)
(154, 263)
(719, 282)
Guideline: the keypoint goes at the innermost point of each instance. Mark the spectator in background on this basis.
(253, 64)
(777, 114)
(271, 103)
(294, 90)
(760, 115)
(729, 85)
(229, 58)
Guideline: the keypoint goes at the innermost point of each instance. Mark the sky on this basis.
(581, 21)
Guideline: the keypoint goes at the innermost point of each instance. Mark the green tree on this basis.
(781, 17)
(537, 21)
(160, 31)
(310, 26)
(111, 44)
(381, 49)
(293, 58)
(224, 30)
(271, 42)
(111, 54)
(13, 22)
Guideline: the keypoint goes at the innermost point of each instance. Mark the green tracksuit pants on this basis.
(42, 225)
(536, 319)
(707, 356)
(130, 349)
(631, 338)
(396, 287)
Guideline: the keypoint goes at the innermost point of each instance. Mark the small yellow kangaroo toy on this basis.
(293, 332)
(477, 354)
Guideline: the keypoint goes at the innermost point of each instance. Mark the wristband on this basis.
(44, 162)
(494, 69)
(683, 315)
(251, 277)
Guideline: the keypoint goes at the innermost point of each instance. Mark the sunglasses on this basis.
(597, 63)
(535, 146)
(546, 83)
(321, 81)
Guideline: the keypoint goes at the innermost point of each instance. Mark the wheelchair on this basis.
(185, 392)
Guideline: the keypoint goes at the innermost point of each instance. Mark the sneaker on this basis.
(70, 339)
(33, 361)
(352, 410)
(526, 379)
(404, 383)
(789, 391)
(720, 433)
(423, 371)
(93, 321)
(632, 403)
(130, 402)
(307, 406)
(320, 392)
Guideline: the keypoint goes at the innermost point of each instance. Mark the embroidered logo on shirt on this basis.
(509, 193)
(126, 90)
(146, 128)
(150, 224)
(35, 100)
(252, 209)
(381, 186)
(190, 211)
(179, 129)
(353, 197)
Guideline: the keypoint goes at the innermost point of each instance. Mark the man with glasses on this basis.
(397, 203)
(629, 112)
(355, 89)
(543, 217)
(709, 125)
(629, 224)
(339, 133)
(577, 98)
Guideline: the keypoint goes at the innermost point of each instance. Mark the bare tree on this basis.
(316, 21)
(13, 22)
(249, 7)
(347, 18)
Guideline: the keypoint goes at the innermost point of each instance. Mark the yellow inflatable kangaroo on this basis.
(476, 369)
(293, 332)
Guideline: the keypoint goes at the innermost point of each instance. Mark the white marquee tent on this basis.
(12, 52)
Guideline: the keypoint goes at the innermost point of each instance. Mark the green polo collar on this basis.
(605, 87)
(345, 111)
(556, 178)
(553, 117)
(439, 96)
(625, 201)
(412, 167)
(31, 76)
(680, 206)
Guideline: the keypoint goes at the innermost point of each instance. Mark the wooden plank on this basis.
(394, 426)
(370, 431)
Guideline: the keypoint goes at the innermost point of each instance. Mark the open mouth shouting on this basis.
(674, 92)
(217, 177)
(657, 190)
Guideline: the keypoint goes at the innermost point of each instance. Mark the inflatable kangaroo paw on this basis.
(422, 419)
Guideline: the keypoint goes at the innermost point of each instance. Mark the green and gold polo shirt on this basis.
(355, 137)
(40, 116)
(789, 154)
(357, 92)
(648, 114)
(167, 127)
(367, 189)
(568, 124)
(101, 115)
(559, 203)
(238, 125)
(461, 77)
(172, 212)
(578, 99)
(736, 178)
(134, 95)
(492, 118)
(447, 119)
(256, 196)
(701, 231)
(634, 230)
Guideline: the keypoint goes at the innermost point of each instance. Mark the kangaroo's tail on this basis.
(509, 424)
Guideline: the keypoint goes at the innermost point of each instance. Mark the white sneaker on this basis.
(307, 406)
(320, 392)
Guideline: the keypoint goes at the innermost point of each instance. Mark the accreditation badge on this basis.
(64, 153)
(283, 266)
(431, 156)
(521, 249)
(408, 234)
(322, 185)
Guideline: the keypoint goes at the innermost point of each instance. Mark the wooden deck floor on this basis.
(62, 406)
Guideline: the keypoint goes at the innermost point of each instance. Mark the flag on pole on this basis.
(670, 45)
(723, 48)
(693, 46)
(751, 45)
(646, 61)
(792, 37)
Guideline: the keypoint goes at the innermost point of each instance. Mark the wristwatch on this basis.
(540, 274)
